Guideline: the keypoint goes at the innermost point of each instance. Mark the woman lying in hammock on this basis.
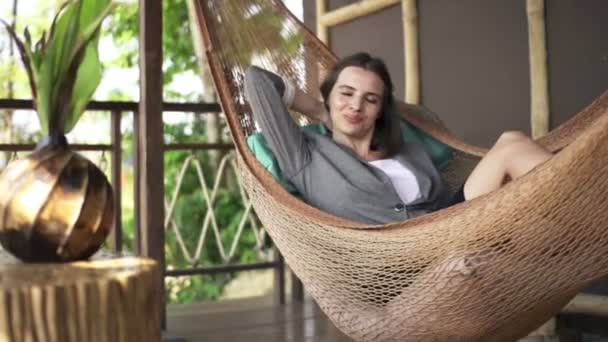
(364, 171)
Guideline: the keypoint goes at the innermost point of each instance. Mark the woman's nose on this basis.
(355, 103)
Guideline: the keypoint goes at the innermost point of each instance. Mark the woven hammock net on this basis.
(493, 268)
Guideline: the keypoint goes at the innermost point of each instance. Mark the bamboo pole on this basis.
(411, 53)
(539, 97)
(322, 29)
(353, 11)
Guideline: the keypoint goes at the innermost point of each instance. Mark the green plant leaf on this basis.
(33, 55)
(59, 51)
(68, 70)
(24, 51)
(54, 23)
(49, 72)
(90, 32)
(89, 70)
(87, 79)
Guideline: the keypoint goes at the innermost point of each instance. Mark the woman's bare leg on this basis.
(513, 155)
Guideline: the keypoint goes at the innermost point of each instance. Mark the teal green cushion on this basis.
(259, 148)
(441, 154)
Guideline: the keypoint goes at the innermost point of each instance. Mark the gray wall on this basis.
(474, 58)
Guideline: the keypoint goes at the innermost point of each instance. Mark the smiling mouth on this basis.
(353, 119)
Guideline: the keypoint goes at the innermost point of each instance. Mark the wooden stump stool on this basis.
(98, 300)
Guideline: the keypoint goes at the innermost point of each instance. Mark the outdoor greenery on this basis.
(191, 207)
(179, 58)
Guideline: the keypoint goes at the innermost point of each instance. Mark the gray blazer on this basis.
(330, 176)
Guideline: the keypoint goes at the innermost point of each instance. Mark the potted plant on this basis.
(56, 205)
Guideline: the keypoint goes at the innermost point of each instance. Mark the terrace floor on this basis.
(251, 320)
(258, 320)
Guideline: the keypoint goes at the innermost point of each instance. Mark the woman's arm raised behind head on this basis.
(311, 107)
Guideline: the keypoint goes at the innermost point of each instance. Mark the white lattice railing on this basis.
(209, 223)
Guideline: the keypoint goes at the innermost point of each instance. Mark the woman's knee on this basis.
(518, 153)
(512, 137)
(511, 142)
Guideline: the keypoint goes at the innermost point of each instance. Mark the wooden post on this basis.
(109, 300)
(322, 30)
(151, 188)
(297, 289)
(117, 180)
(412, 55)
(326, 20)
(351, 12)
(539, 85)
(279, 278)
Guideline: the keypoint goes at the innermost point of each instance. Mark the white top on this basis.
(404, 181)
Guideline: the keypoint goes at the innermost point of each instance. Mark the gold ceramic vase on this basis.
(55, 205)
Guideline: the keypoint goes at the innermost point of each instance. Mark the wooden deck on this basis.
(249, 320)
(257, 320)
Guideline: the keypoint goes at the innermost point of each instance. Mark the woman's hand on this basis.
(311, 107)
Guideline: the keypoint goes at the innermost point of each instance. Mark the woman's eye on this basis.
(346, 94)
(372, 100)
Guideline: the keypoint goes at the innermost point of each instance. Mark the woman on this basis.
(364, 171)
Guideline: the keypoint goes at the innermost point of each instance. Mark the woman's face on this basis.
(355, 102)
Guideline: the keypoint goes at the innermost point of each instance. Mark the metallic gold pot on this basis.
(55, 205)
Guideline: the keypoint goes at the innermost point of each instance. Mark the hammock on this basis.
(493, 268)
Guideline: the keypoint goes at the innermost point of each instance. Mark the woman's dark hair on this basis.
(387, 132)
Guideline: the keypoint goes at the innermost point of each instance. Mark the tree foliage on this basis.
(178, 51)
(191, 206)
(179, 58)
